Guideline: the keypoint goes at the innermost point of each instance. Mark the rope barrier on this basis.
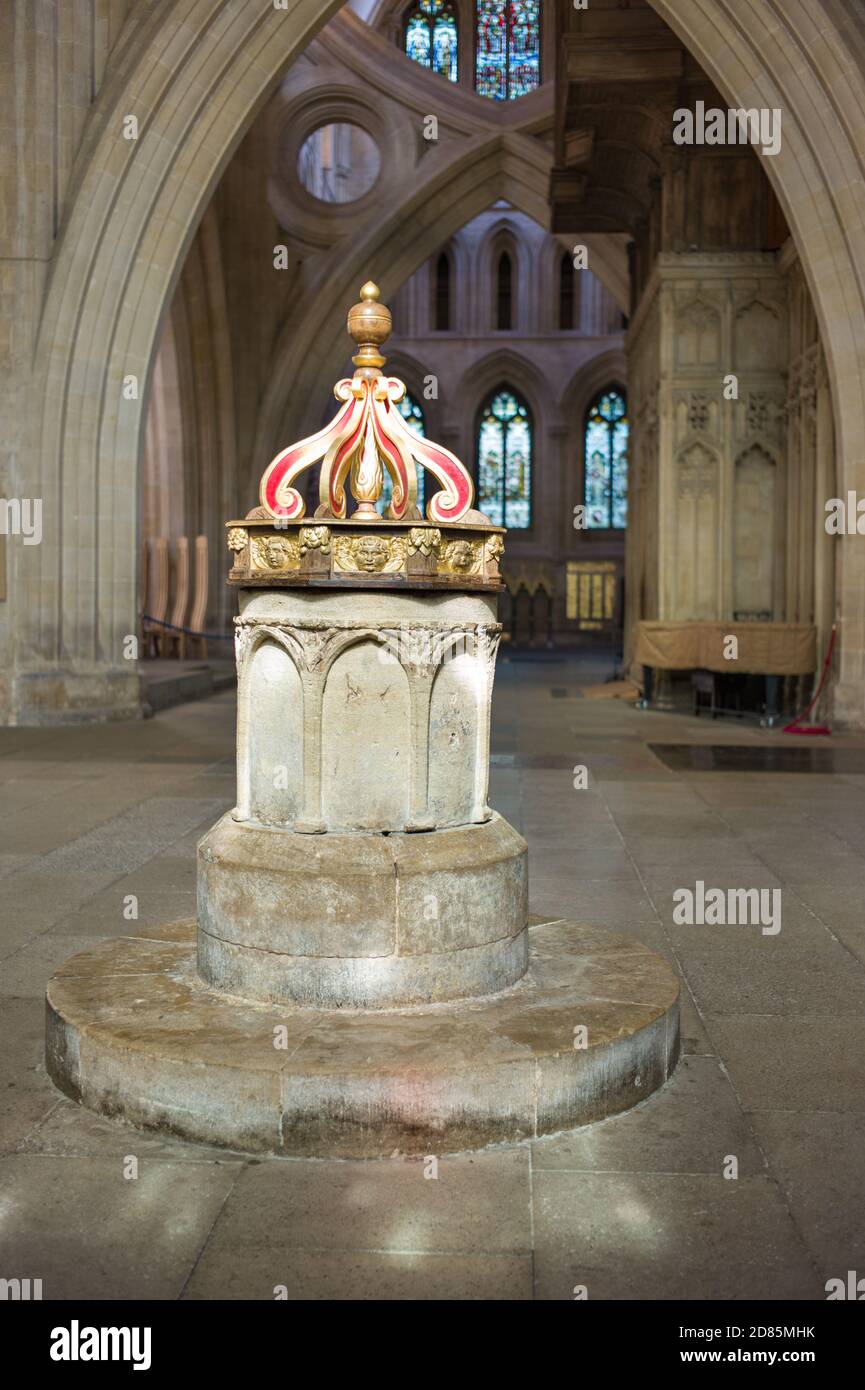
(190, 632)
(815, 728)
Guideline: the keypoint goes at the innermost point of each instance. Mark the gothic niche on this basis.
(273, 692)
(365, 720)
(696, 534)
(754, 534)
(698, 341)
(758, 336)
(453, 724)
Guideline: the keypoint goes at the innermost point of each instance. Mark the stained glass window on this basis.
(504, 460)
(431, 37)
(508, 38)
(412, 413)
(606, 461)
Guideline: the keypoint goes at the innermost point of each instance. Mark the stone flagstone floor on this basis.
(635, 1207)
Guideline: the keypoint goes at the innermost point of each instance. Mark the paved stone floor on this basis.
(636, 1207)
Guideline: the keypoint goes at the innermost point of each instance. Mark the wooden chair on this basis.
(175, 642)
(198, 616)
(157, 595)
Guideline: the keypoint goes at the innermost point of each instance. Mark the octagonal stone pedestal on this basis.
(133, 1031)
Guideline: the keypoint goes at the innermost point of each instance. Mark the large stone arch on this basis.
(447, 192)
(189, 467)
(197, 72)
(194, 73)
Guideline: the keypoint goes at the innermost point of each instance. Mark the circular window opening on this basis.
(338, 163)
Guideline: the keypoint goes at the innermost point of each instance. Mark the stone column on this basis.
(707, 348)
(826, 487)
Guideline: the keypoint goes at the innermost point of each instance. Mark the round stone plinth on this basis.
(361, 921)
(591, 1029)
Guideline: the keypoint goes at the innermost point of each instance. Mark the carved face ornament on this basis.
(460, 555)
(370, 553)
(276, 552)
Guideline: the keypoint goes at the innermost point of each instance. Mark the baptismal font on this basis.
(363, 975)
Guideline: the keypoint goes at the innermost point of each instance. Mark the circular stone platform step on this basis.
(133, 1032)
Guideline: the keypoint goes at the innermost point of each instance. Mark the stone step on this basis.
(170, 683)
(589, 1031)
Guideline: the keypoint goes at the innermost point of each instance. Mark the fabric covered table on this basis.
(765, 649)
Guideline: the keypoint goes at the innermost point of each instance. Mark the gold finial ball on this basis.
(369, 322)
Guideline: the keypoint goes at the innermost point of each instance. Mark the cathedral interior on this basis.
(649, 354)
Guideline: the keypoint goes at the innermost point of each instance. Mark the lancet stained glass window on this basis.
(606, 461)
(508, 39)
(431, 37)
(504, 461)
(413, 415)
